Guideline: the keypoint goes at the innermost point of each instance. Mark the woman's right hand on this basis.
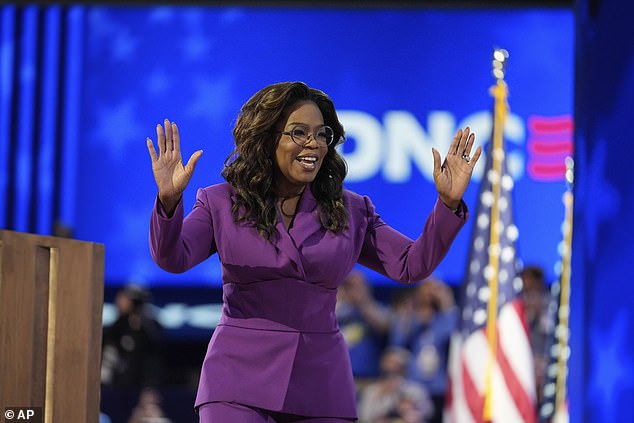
(169, 173)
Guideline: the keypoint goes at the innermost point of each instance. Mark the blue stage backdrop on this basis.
(601, 378)
(403, 80)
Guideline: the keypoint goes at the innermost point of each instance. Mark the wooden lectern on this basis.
(51, 297)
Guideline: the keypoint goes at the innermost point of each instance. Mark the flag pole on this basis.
(564, 300)
(500, 94)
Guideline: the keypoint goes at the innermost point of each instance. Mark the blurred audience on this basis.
(426, 332)
(148, 409)
(538, 320)
(132, 345)
(364, 322)
(393, 398)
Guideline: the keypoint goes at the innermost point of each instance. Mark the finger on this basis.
(177, 138)
(169, 140)
(476, 156)
(191, 163)
(437, 167)
(453, 148)
(469, 145)
(160, 135)
(150, 147)
(462, 149)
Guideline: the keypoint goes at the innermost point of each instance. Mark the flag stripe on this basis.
(524, 402)
(518, 404)
(514, 341)
(474, 400)
(504, 407)
(457, 410)
(475, 354)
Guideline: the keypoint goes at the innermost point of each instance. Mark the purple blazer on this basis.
(277, 345)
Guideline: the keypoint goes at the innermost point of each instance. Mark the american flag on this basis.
(554, 404)
(491, 371)
(549, 410)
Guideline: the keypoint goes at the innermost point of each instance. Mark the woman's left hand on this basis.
(453, 176)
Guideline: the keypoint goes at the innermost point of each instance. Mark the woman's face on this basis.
(298, 165)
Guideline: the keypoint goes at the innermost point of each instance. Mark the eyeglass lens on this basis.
(323, 135)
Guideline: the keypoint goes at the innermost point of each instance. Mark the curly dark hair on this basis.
(251, 167)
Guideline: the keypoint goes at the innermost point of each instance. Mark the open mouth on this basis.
(308, 162)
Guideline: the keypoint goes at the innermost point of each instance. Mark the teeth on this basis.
(307, 159)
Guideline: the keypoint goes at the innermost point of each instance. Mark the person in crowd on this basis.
(394, 398)
(427, 334)
(148, 409)
(132, 344)
(364, 323)
(538, 320)
(287, 234)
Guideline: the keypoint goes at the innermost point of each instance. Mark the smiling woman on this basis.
(268, 165)
(287, 235)
(299, 155)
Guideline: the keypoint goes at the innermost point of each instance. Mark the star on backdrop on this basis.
(611, 373)
(596, 198)
(118, 126)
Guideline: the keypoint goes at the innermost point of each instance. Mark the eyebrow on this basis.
(305, 124)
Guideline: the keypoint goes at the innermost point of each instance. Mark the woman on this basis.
(287, 234)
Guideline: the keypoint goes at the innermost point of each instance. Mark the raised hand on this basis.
(169, 173)
(453, 176)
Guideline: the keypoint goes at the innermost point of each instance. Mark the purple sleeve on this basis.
(396, 256)
(178, 244)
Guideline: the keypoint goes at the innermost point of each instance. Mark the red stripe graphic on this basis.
(547, 171)
(549, 143)
(550, 124)
(556, 147)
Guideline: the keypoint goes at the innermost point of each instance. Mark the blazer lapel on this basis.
(306, 220)
(306, 223)
(286, 245)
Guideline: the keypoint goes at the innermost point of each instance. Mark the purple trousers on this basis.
(222, 412)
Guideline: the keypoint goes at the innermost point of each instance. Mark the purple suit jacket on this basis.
(278, 345)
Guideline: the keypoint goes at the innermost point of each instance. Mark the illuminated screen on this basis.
(403, 80)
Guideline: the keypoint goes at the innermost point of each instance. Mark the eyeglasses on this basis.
(299, 134)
